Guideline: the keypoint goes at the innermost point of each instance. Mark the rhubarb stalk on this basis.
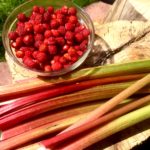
(36, 84)
(57, 91)
(51, 117)
(52, 127)
(113, 102)
(115, 126)
(94, 93)
(61, 138)
(121, 111)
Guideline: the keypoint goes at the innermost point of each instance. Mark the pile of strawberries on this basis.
(48, 39)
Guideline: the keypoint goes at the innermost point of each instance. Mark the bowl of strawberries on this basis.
(48, 37)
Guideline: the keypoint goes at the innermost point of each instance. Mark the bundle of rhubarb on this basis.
(76, 110)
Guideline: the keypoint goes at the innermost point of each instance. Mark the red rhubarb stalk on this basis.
(57, 91)
(94, 93)
(38, 84)
(51, 117)
(46, 129)
(113, 102)
(56, 140)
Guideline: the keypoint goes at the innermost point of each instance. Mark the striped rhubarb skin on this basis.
(61, 90)
(36, 84)
(91, 94)
(50, 117)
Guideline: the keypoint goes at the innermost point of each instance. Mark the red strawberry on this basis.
(41, 57)
(13, 35)
(72, 11)
(52, 49)
(56, 66)
(69, 26)
(69, 35)
(22, 17)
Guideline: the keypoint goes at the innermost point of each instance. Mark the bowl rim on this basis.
(53, 73)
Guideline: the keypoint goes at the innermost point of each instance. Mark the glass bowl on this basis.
(26, 8)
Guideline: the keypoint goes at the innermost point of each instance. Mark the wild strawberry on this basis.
(80, 53)
(81, 27)
(28, 53)
(79, 37)
(69, 42)
(21, 29)
(66, 47)
(60, 16)
(69, 35)
(64, 10)
(62, 60)
(69, 26)
(46, 41)
(36, 18)
(28, 27)
(72, 11)
(29, 62)
(60, 41)
(73, 19)
(56, 66)
(72, 51)
(37, 44)
(47, 68)
(36, 9)
(34, 54)
(77, 47)
(58, 11)
(13, 35)
(28, 39)
(62, 30)
(20, 54)
(43, 48)
(38, 37)
(41, 57)
(86, 33)
(51, 41)
(23, 48)
(46, 26)
(55, 33)
(19, 42)
(47, 33)
(46, 16)
(60, 21)
(52, 49)
(13, 45)
(74, 58)
(83, 45)
(22, 17)
(38, 28)
(67, 56)
(53, 16)
(41, 10)
(50, 9)
(54, 24)
(56, 58)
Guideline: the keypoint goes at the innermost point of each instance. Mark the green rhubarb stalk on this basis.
(51, 117)
(113, 102)
(36, 84)
(111, 128)
(91, 94)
